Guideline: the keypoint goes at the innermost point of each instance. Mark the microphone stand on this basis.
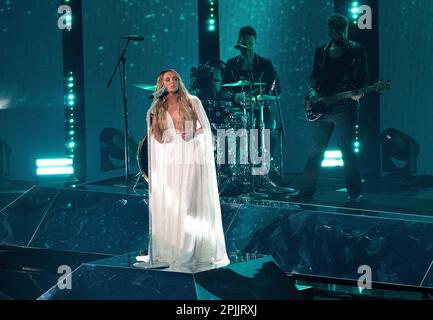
(150, 263)
(122, 60)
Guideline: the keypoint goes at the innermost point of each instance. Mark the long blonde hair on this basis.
(185, 106)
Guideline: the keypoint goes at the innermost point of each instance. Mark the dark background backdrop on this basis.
(31, 69)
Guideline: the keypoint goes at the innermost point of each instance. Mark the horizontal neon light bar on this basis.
(333, 154)
(54, 171)
(332, 163)
(47, 163)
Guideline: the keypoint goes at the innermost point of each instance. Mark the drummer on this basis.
(238, 68)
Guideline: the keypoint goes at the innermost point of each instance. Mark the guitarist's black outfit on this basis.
(330, 76)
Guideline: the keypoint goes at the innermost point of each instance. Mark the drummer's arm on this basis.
(156, 130)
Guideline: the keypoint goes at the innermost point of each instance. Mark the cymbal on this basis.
(242, 83)
(264, 97)
(148, 87)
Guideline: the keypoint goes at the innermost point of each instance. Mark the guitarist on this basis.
(340, 65)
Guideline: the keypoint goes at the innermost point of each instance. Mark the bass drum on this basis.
(142, 157)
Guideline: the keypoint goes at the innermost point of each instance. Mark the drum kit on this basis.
(248, 113)
(226, 116)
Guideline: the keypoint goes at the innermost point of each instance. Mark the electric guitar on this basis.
(315, 110)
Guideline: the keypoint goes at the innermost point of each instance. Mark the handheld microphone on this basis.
(133, 38)
(158, 93)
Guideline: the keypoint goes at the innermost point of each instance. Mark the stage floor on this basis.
(390, 229)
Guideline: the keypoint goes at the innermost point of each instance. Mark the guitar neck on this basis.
(348, 94)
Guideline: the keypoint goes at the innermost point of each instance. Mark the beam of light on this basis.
(4, 103)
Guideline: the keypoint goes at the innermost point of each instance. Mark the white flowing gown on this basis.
(184, 205)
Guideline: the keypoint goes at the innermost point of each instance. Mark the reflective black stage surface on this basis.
(97, 229)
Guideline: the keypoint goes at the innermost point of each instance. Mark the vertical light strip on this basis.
(70, 103)
(354, 12)
(212, 21)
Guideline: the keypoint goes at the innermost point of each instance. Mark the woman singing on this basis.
(184, 206)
